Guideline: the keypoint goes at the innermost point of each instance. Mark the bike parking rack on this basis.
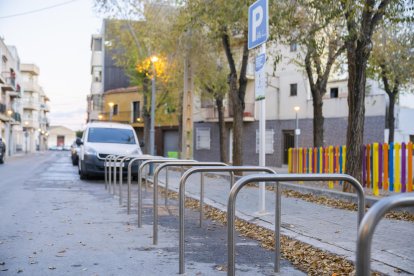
(231, 206)
(106, 165)
(368, 225)
(183, 180)
(133, 160)
(121, 175)
(110, 177)
(140, 170)
(115, 160)
(155, 192)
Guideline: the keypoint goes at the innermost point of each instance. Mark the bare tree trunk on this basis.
(357, 62)
(391, 118)
(222, 130)
(146, 116)
(359, 47)
(318, 120)
(236, 95)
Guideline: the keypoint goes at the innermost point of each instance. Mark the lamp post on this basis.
(26, 135)
(297, 130)
(9, 142)
(111, 110)
(152, 129)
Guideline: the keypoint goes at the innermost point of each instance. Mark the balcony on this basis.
(211, 114)
(9, 81)
(31, 86)
(30, 68)
(16, 118)
(30, 104)
(44, 121)
(45, 107)
(30, 123)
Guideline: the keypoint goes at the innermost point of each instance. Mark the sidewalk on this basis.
(326, 228)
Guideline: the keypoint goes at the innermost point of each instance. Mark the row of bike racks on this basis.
(366, 222)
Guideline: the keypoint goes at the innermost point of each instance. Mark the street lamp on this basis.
(297, 130)
(111, 110)
(9, 141)
(152, 130)
(100, 117)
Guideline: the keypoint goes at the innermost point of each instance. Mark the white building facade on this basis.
(10, 99)
(288, 87)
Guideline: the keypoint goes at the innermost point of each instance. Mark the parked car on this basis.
(74, 152)
(101, 139)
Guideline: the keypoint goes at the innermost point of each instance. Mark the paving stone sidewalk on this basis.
(327, 228)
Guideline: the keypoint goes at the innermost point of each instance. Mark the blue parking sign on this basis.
(258, 23)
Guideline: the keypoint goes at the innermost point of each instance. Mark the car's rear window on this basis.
(111, 135)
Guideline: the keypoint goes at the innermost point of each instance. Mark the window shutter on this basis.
(203, 138)
(269, 141)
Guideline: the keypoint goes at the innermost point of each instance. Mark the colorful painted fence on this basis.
(386, 167)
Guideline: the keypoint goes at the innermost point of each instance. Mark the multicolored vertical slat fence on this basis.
(387, 167)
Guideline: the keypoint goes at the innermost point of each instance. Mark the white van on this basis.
(101, 139)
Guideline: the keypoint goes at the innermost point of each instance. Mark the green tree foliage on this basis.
(318, 29)
(226, 21)
(392, 63)
(140, 29)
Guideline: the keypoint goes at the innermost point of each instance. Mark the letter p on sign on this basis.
(258, 23)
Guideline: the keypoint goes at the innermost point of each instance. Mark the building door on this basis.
(60, 141)
(288, 142)
(170, 141)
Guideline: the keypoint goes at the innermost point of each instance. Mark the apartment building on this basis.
(94, 99)
(10, 95)
(287, 88)
(35, 109)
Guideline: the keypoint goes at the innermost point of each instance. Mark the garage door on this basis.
(170, 141)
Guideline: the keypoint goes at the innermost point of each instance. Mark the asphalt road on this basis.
(52, 223)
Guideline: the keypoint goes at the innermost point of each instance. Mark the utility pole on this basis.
(187, 123)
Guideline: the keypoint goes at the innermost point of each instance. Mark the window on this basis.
(97, 44)
(293, 89)
(334, 92)
(269, 141)
(115, 109)
(111, 135)
(135, 111)
(203, 138)
(293, 46)
(412, 138)
(97, 74)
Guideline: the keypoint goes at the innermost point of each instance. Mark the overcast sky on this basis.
(57, 40)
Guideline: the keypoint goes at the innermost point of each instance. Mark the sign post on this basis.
(258, 35)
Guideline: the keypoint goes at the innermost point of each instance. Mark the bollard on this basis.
(182, 197)
(368, 225)
(231, 206)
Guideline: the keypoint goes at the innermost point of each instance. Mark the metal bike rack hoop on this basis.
(231, 206)
(155, 201)
(106, 165)
(140, 170)
(183, 181)
(368, 225)
(133, 160)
